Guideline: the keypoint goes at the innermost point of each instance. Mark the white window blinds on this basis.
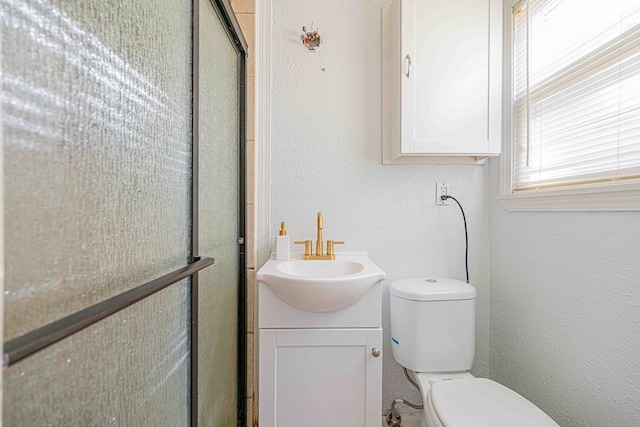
(576, 106)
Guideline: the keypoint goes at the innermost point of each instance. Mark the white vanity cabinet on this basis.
(320, 377)
(442, 78)
(319, 369)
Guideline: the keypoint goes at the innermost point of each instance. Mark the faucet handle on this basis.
(330, 244)
(307, 247)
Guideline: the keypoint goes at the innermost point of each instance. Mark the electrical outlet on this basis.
(442, 189)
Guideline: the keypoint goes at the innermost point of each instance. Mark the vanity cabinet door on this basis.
(320, 377)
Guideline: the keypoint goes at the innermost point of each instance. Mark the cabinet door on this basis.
(320, 377)
(451, 76)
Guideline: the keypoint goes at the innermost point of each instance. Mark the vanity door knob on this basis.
(375, 352)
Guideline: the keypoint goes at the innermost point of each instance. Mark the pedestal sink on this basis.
(321, 286)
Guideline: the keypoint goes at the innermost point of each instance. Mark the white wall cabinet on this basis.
(442, 78)
(320, 377)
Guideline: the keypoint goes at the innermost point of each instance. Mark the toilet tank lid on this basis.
(485, 402)
(432, 289)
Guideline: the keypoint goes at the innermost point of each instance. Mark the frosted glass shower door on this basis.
(123, 131)
(96, 100)
(220, 134)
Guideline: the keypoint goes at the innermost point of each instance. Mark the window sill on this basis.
(607, 197)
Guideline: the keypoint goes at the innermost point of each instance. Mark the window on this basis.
(575, 112)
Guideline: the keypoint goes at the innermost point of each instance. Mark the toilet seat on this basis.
(430, 413)
(480, 402)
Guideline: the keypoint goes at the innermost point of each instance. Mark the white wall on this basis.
(326, 156)
(565, 312)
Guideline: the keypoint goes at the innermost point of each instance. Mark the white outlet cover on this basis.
(442, 189)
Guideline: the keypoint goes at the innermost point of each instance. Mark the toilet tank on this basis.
(433, 324)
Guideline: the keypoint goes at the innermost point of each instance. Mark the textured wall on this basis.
(565, 312)
(326, 145)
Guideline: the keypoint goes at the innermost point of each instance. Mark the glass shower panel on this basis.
(218, 221)
(96, 100)
(131, 369)
(97, 144)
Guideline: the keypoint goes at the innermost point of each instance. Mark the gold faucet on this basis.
(319, 254)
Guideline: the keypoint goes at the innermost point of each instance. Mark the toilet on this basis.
(433, 336)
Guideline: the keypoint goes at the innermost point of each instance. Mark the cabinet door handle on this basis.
(407, 60)
(375, 352)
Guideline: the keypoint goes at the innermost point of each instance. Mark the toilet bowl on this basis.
(433, 336)
(478, 402)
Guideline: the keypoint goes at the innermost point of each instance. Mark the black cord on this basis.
(466, 235)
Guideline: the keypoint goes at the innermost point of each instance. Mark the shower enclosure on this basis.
(123, 126)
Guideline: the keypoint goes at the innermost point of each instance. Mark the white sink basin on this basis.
(312, 268)
(321, 286)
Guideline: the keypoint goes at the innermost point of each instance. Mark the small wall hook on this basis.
(311, 39)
